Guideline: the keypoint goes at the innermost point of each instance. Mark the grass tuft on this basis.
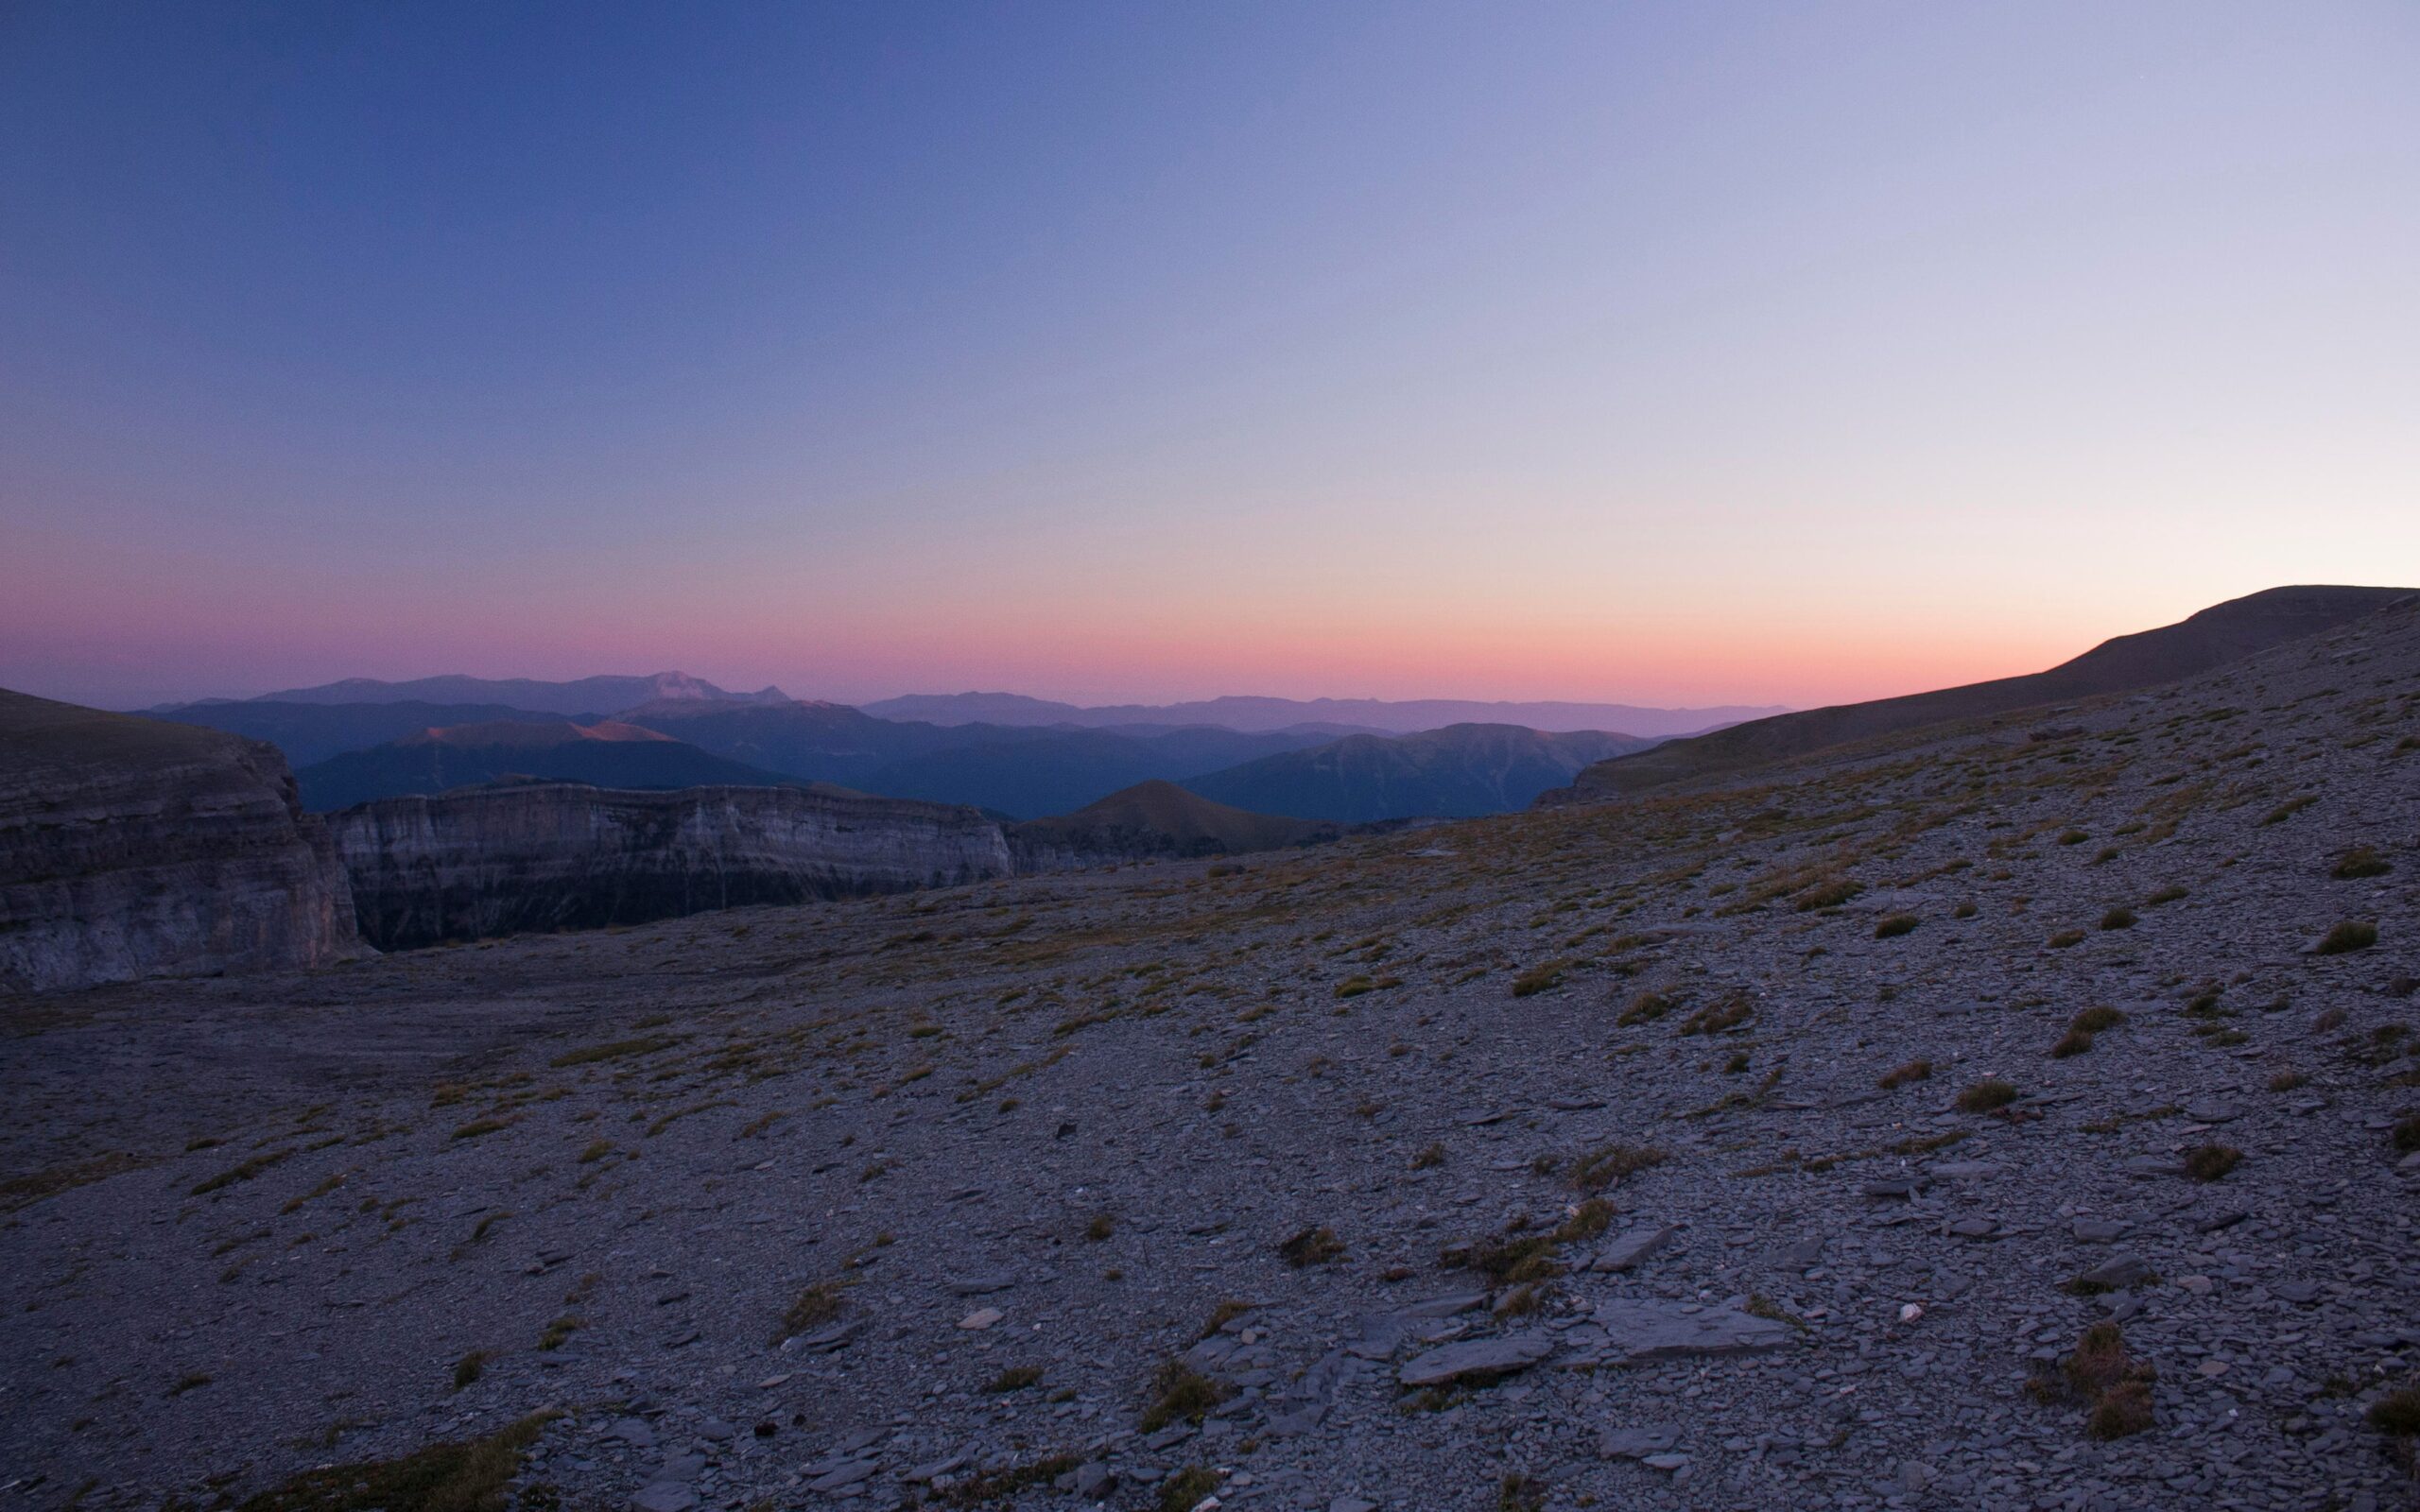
(469, 1475)
(2352, 935)
(1986, 1096)
(2208, 1162)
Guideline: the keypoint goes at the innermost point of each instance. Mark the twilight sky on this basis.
(1666, 354)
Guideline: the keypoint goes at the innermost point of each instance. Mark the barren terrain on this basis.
(1642, 1154)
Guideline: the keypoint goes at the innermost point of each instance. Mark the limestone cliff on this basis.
(556, 855)
(133, 848)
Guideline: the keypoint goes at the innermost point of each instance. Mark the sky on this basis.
(1673, 354)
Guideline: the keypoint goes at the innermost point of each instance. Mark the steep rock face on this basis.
(133, 848)
(552, 855)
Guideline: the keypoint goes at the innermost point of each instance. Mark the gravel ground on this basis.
(1537, 1162)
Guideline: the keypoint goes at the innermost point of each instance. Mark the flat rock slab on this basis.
(1629, 1248)
(2118, 1270)
(1638, 1329)
(849, 1474)
(665, 1496)
(982, 1285)
(1446, 1306)
(1476, 1358)
(1637, 1442)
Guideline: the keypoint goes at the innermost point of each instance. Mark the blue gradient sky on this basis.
(1665, 353)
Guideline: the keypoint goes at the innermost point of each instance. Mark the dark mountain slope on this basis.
(1155, 818)
(2222, 633)
(1052, 771)
(1460, 772)
(310, 733)
(606, 754)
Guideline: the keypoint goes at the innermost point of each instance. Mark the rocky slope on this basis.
(1992, 1118)
(547, 855)
(2219, 634)
(131, 848)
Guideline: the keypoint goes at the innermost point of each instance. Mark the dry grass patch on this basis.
(1715, 1018)
(1645, 1008)
(1540, 977)
(1603, 1166)
(615, 1050)
(2359, 862)
(2396, 1414)
(2116, 1384)
(469, 1475)
(2208, 1162)
(1985, 1096)
(1182, 1393)
(2352, 935)
(812, 1309)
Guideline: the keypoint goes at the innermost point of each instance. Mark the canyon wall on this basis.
(133, 848)
(554, 855)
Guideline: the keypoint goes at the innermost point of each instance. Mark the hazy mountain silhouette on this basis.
(1257, 714)
(1016, 771)
(1454, 772)
(310, 733)
(584, 695)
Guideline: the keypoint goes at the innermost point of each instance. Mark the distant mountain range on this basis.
(606, 754)
(586, 696)
(1456, 772)
(1017, 770)
(311, 733)
(1341, 716)
(1324, 759)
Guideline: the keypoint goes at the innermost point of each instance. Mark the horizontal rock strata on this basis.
(541, 856)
